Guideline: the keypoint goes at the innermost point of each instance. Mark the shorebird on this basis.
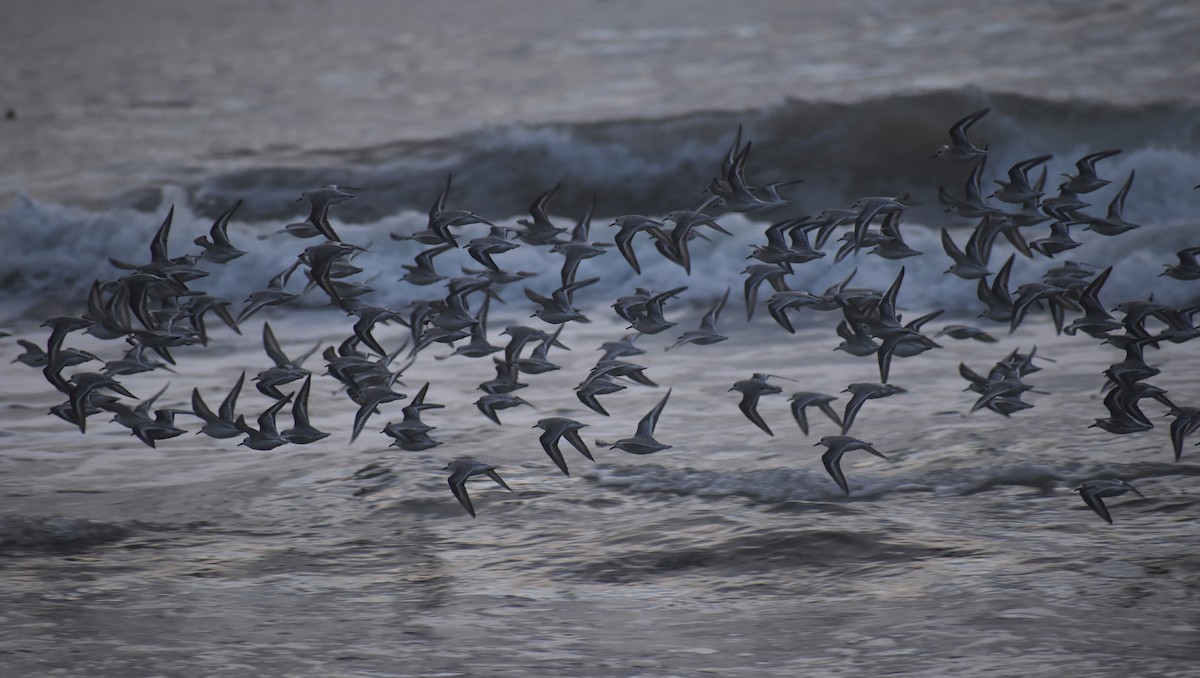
(781, 302)
(519, 336)
(147, 429)
(674, 245)
(707, 334)
(555, 429)
(81, 388)
(804, 399)
(1065, 206)
(1096, 321)
(628, 226)
(266, 436)
(196, 306)
(1187, 421)
(441, 219)
(496, 241)
(828, 220)
(317, 222)
(1017, 190)
(505, 380)
(1094, 491)
(286, 370)
(60, 327)
(1029, 294)
(996, 297)
(179, 270)
(621, 348)
(1008, 389)
(369, 399)
(893, 246)
(411, 433)
(832, 458)
(973, 204)
(421, 271)
(111, 318)
(1125, 416)
(972, 263)
(611, 369)
(960, 148)
(35, 356)
(368, 316)
(558, 308)
(1114, 223)
(756, 275)
(752, 389)
(491, 402)
(735, 193)
(540, 231)
(1188, 267)
(217, 247)
(578, 248)
(538, 361)
(273, 295)
(647, 316)
(856, 340)
(787, 244)
(588, 390)
(223, 422)
(865, 211)
(302, 431)
(1087, 180)
(437, 229)
(966, 332)
(862, 393)
(463, 469)
(643, 441)
(1057, 242)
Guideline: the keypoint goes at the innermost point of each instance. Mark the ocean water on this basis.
(966, 552)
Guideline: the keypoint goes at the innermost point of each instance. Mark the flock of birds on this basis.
(154, 308)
